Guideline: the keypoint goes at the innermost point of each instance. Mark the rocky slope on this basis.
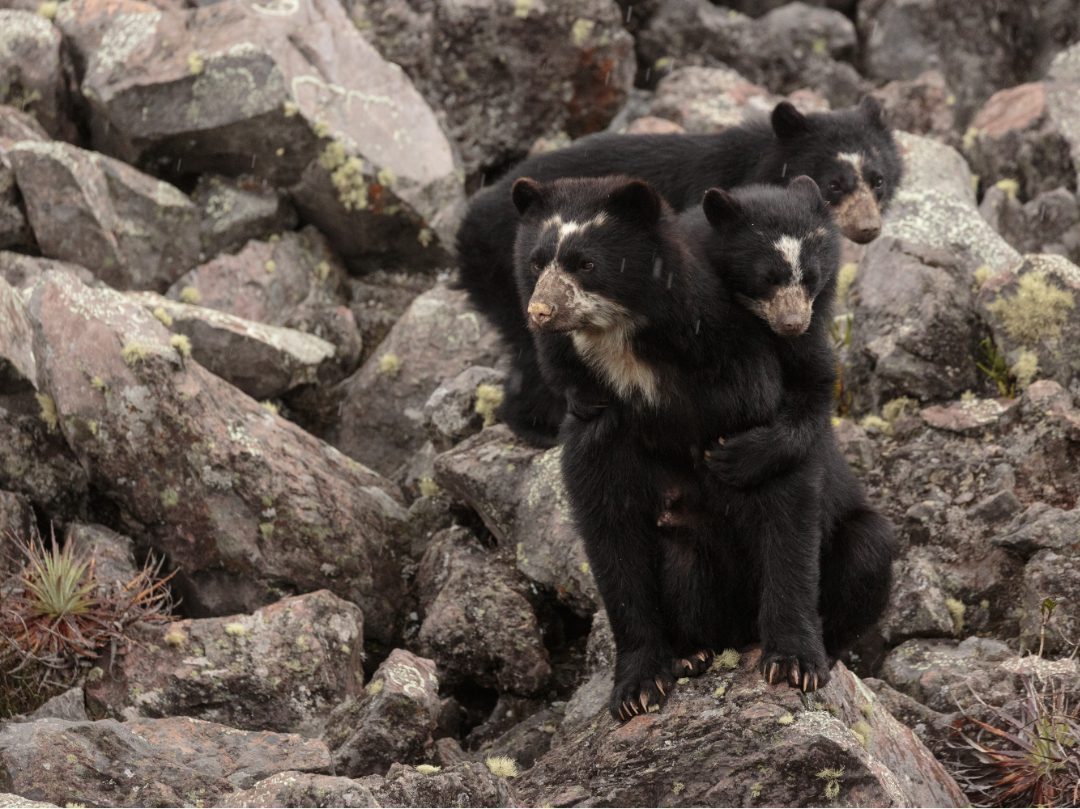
(230, 342)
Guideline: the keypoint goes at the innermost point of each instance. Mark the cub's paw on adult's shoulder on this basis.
(692, 665)
(641, 690)
(742, 461)
(807, 672)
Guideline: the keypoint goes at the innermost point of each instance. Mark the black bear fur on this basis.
(658, 313)
(681, 168)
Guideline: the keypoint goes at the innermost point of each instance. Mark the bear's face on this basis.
(591, 246)
(777, 249)
(851, 156)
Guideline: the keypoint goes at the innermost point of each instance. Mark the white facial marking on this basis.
(789, 248)
(854, 158)
(567, 228)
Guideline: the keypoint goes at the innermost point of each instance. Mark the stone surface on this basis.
(969, 416)
(518, 492)
(393, 720)
(1049, 223)
(503, 72)
(263, 361)
(980, 49)
(294, 281)
(464, 784)
(287, 91)
(130, 230)
(935, 207)
(477, 623)
(32, 71)
(235, 210)
(1054, 575)
(914, 331)
(145, 762)
(16, 519)
(15, 126)
(727, 739)
(113, 554)
(918, 606)
(923, 105)
(790, 48)
(282, 668)
(950, 675)
(18, 368)
(23, 271)
(1031, 309)
(1042, 527)
(460, 407)
(709, 99)
(438, 337)
(1028, 135)
(244, 503)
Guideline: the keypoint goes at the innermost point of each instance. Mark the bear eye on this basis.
(587, 266)
(834, 186)
(879, 182)
(536, 267)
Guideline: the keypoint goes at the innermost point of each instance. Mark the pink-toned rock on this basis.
(709, 99)
(923, 106)
(969, 415)
(288, 91)
(130, 230)
(653, 125)
(477, 623)
(1028, 135)
(439, 336)
(392, 721)
(32, 71)
(15, 126)
(145, 762)
(282, 668)
(242, 502)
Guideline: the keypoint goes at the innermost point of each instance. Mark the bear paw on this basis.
(634, 695)
(693, 665)
(798, 671)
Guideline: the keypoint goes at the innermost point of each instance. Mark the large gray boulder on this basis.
(288, 91)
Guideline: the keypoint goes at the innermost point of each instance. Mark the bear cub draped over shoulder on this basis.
(712, 326)
(849, 153)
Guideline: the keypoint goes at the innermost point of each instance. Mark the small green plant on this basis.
(996, 368)
(1028, 755)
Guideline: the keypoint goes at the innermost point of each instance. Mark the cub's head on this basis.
(592, 247)
(852, 157)
(777, 250)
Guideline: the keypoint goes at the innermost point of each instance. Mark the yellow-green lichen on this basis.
(831, 777)
(956, 610)
(270, 407)
(428, 487)
(270, 266)
(385, 177)
(862, 731)
(266, 529)
(48, 9)
(488, 399)
(727, 660)
(719, 691)
(289, 109)
(163, 316)
(1025, 369)
(1038, 311)
(235, 629)
(280, 151)
(175, 637)
(756, 789)
(678, 787)
(1009, 186)
(580, 31)
(820, 46)
(196, 63)
(48, 412)
(182, 345)
(374, 688)
(502, 766)
(427, 769)
(522, 8)
(867, 709)
(321, 129)
(786, 719)
(895, 408)
(970, 136)
(425, 236)
(845, 277)
(98, 384)
(982, 274)
(135, 353)
(190, 295)
(874, 424)
(170, 498)
(390, 364)
(322, 271)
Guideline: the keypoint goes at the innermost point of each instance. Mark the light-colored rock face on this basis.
(170, 762)
(130, 230)
(32, 71)
(286, 90)
(728, 739)
(241, 500)
(283, 668)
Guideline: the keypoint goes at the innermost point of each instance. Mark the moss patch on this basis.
(48, 412)
(488, 399)
(1038, 311)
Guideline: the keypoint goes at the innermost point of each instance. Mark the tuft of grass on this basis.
(502, 766)
(1025, 755)
(134, 353)
(996, 368)
(182, 345)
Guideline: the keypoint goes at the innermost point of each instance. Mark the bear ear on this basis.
(788, 122)
(527, 193)
(720, 207)
(870, 109)
(807, 190)
(635, 200)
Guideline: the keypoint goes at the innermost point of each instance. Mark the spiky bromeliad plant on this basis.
(1025, 756)
(56, 617)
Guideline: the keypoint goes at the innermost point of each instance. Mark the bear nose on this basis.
(540, 313)
(865, 234)
(791, 325)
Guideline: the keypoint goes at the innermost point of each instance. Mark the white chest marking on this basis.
(610, 353)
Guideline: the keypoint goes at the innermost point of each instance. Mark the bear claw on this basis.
(797, 671)
(693, 665)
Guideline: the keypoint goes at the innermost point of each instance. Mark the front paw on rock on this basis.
(640, 695)
(798, 671)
